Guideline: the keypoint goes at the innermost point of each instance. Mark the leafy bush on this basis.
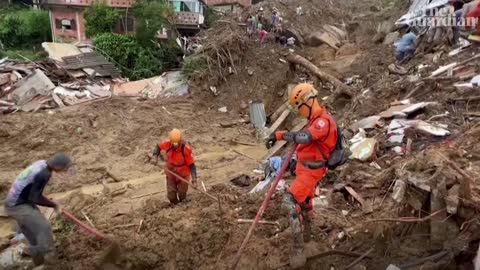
(134, 60)
(24, 27)
(100, 19)
(152, 16)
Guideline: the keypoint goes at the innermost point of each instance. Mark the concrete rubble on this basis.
(74, 75)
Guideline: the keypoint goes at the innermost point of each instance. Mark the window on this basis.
(65, 24)
(186, 6)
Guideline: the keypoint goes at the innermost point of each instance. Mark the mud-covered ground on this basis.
(123, 195)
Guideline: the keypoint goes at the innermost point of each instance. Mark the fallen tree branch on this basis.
(407, 219)
(433, 257)
(245, 155)
(359, 259)
(341, 88)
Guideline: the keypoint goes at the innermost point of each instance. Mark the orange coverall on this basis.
(179, 160)
(323, 129)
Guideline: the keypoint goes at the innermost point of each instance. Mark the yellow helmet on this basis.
(175, 136)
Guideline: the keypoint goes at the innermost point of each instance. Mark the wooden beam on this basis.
(280, 144)
(277, 123)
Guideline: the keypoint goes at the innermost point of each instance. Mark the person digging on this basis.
(179, 159)
(315, 144)
(25, 194)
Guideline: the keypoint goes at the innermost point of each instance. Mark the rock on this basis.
(347, 49)
(394, 69)
(223, 109)
(392, 267)
(335, 32)
(319, 38)
(391, 37)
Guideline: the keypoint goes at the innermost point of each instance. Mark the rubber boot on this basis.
(297, 257)
(307, 229)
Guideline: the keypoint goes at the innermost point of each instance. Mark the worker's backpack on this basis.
(340, 153)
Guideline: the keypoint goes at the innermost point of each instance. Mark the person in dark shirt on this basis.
(22, 200)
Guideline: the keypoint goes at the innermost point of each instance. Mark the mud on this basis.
(123, 195)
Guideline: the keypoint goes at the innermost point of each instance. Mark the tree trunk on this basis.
(340, 87)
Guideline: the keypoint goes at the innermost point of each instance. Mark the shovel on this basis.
(112, 254)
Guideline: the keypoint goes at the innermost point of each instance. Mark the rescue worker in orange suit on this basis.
(314, 145)
(179, 159)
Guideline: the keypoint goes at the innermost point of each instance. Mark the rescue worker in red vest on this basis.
(179, 159)
(315, 143)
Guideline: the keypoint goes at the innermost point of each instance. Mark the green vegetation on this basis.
(211, 16)
(152, 16)
(23, 54)
(100, 19)
(136, 61)
(23, 28)
(140, 56)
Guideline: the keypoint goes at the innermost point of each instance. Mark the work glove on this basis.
(271, 141)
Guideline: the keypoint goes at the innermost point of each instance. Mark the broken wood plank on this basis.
(58, 100)
(341, 88)
(277, 123)
(278, 112)
(473, 98)
(242, 220)
(355, 195)
(454, 65)
(280, 144)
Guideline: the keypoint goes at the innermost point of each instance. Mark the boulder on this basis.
(319, 38)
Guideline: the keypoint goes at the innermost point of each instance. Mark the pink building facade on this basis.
(68, 23)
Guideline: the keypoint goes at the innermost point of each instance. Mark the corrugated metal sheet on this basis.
(92, 60)
(258, 116)
(418, 10)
